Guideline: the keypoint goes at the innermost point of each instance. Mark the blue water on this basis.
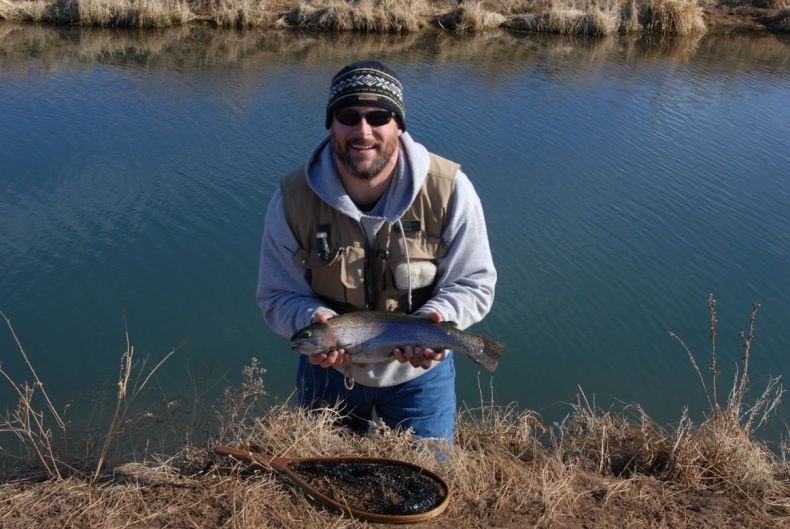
(623, 181)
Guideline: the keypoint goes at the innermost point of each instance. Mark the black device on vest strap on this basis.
(322, 239)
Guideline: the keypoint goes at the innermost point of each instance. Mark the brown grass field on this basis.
(570, 17)
(596, 468)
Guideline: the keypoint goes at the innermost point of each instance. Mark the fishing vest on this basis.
(346, 273)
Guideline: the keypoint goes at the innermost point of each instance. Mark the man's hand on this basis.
(417, 356)
(333, 358)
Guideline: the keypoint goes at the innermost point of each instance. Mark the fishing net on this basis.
(379, 486)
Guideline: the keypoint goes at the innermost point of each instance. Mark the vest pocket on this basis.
(420, 246)
(340, 278)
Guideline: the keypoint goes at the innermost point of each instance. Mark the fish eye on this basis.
(305, 334)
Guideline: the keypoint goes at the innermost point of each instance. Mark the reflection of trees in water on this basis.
(29, 48)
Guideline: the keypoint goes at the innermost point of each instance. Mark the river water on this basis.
(623, 179)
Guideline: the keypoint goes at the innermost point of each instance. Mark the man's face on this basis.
(364, 150)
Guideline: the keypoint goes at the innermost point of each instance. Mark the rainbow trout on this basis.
(370, 337)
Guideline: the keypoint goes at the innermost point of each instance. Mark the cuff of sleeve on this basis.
(426, 310)
(313, 312)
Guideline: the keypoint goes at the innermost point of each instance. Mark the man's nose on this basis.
(364, 126)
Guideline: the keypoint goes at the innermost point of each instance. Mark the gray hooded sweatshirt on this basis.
(466, 276)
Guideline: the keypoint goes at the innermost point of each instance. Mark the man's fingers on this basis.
(417, 356)
(435, 355)
(331, 358)
(317, 360)
(343, 357)
(398, 354)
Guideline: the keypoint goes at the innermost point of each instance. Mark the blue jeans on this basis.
(426, 403)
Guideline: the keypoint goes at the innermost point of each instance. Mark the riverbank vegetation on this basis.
(573, 17)
(595, 468)
(196, 48)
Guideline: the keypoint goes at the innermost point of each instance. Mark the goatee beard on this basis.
(363, 174)
(376, 166)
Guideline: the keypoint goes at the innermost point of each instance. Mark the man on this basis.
(373, 221)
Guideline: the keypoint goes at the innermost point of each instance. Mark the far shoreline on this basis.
(565, 17)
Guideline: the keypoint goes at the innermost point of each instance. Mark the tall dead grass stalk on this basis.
(240, 406)
(125, 396)
(29, 422)
(721, 450)
(747, 417)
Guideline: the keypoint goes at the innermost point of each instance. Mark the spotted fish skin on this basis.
(370, 337)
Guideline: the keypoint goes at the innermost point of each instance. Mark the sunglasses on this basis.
(374, 118)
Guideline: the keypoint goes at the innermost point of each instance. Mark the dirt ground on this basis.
(158, 497)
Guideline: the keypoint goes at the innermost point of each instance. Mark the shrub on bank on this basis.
(674, 17)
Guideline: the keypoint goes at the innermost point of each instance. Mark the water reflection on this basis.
(28, 48)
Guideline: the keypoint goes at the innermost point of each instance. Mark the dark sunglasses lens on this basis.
(348, 117)
(376, 118)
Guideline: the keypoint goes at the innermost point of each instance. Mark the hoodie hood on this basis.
(410, 173)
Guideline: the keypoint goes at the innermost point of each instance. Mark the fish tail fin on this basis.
(489, 353)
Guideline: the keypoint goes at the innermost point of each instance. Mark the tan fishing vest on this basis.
(345, 273)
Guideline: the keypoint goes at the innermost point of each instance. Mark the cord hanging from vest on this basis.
(348, 379)
(408, 262)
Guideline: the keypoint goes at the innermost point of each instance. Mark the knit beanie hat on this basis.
(366, 83)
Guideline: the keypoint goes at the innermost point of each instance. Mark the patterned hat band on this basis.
(366, 83)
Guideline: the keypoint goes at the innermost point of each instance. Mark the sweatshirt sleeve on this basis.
(464, 292)
(284, 296)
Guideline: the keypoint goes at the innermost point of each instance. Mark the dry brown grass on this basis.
(367, 16)
(123, 13)
(470, 16)
(244, 13)
(601, 18)
(495, 480)
(571, 17)
(629, 17)
(674, 17)
(132, 13)
(580, 18)
(568, 17)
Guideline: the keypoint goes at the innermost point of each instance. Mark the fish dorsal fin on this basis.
(450, 324)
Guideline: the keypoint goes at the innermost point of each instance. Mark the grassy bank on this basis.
(572, 17)
(596, 468)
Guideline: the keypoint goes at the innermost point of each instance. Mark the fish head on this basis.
(315, 339)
